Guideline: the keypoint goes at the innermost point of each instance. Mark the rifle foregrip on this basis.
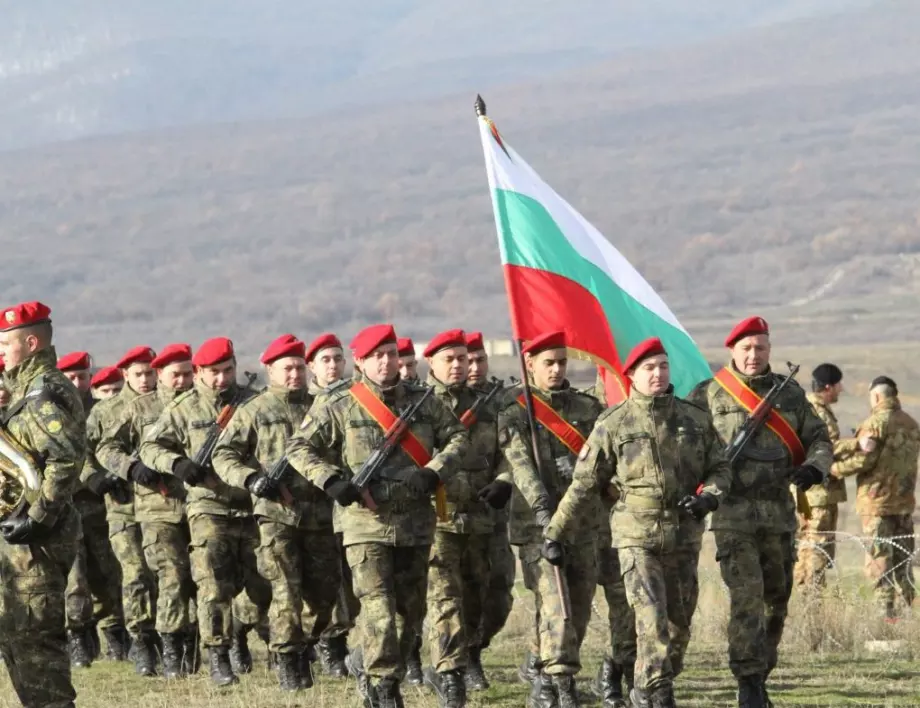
(440, 503)
(369, 502)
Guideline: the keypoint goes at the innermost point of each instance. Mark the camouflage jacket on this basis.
(50, 425)
(502, 399)
(336, 439)
(101, 420)
(465, 512)
(255, 440)
(88, 502)
(180, 432)
(558, 463)
(886, 477)
(119, 449)
(656, 450)
(760, 498)
(833, 491)
(321, 394)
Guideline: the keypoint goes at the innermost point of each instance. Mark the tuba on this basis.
(18, 475)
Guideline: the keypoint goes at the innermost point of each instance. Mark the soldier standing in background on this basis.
(408, 364)
(883, 456)
(106, 383)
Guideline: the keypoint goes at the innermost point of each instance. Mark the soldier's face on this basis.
(652, 376)
(408, 368)
(219, 377)
(140, 377)
(177, 376)
(832, 393)
(449, 365)
(328, 366)
(548, 368)
(80, 379)
(381, 365)
(108, 390)
(479, 367)
(17, 346)
(289, 372)
(751, 355)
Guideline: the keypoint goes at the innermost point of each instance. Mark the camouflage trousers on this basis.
(620, 617)
(502, 567)
(346, 606)
(558, 643)
(304, 569)
(33, 643)
(662, 589)
(888, 562)
(756, 568)
(816, 547)
(223, 560)
(390, 583)
(166, 552)
(458, 583)
(138, 589)
(93, 594)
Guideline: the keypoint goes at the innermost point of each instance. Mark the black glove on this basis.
(496, 494)
(543, 516)
(118, 489)
(343, 491)
(189, 472)
(143, 475)
(552, 552)
(422, 481)
(23, 529)
(806, 476)
(259, 485)
(699, 505)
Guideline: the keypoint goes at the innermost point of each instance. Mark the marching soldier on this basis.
(106, 383)
(224, 536)
(159, 508)
(817, 543)
(387, 547)
(883, 456)
(669, 471)
(564, 418)
(39, 541)
(408, 364)
(755, 524)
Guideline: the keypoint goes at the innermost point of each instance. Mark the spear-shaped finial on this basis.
(480, 106)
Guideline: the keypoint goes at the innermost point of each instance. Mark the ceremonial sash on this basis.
(385, 418)
(555, 423)
(748, 400)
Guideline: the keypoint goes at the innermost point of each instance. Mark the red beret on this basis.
(474, 342)
(405, 347)
(369, 338)
(75, 361)
(323, 341)
(643, 350)
(108, 375)
(285, 345)
(170, 354)
(213, 351)
(542, 342)
(138, 355)
(747, 328)
(450, 338)
(24, 314)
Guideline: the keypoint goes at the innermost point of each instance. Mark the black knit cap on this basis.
(884, 381)
(827, 375)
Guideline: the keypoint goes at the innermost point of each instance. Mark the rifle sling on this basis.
(385, 418)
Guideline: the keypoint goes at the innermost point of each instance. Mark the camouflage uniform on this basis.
(657, 450)
(51, 427)
(885, 498)
(755, 523)
(816, 540)
(556, 642)
(224, 537)
(387, 549)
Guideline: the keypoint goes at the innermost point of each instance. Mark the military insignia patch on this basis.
(10, 316)
(54, 427)
(46, 409)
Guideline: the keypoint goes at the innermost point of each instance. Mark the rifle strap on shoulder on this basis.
(385, 418)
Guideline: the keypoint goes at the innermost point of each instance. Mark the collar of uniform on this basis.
(553, 396)
(456, 393)
(888, 404)
(298, 395)
(218, 398)
(313, 388)
(167, 394)
(20, 377)
(127, 393)
(394, 393)
(761, 383)
(659, 402)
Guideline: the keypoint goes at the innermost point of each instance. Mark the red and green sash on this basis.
(386, 419)
(555, 423)
(748, 400)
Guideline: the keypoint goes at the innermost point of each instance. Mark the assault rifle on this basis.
(276, 483)
(469, 417)
(202, 458)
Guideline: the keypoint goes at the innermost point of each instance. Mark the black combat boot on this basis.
(191, 651)
(387, 694)
(608, 685)
(92, 641)
(414, 676)
(145, 655)
(240, 656)
(542, 692)
(640, 698)
(173, 648)
(221, 671)
(448, 686)
(663, 697)
(81, 655)
(289, 677)
(307, 659)
(566, 694)
(475, 676)
(354, 662)
(530, 669)
(116, 643)
(332, 652)
(751, 692)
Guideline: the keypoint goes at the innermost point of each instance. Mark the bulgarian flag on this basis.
(561, 273)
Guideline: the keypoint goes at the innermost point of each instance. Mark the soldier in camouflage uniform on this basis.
(816, 541)
(883, 456)
(39, 542)
(669, 469)
(92, 598)
(408, 363)
(138, 588)
(224, 535)
(387, 549)
(4, 391)
(106, 383)
(299, 554)
(565, 417)
(755, 524)
(159, 508)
